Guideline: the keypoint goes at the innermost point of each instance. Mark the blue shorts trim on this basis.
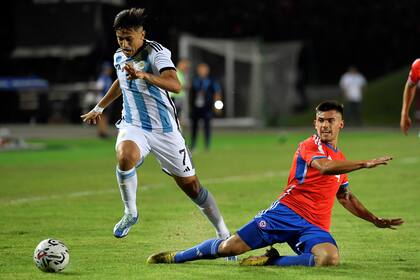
(280, 224)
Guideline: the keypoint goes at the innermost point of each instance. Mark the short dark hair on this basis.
(130, 19)
(330, 105)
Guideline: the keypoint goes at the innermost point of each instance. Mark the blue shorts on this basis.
(280, 224)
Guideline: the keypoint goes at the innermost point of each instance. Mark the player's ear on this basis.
(143, 34)
(342, 124)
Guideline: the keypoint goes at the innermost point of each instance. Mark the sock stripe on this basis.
(202, 196)
(215, 247)
(123, 175)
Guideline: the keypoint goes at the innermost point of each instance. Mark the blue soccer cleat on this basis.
(123, 226)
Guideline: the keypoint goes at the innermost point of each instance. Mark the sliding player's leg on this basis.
(209, 249)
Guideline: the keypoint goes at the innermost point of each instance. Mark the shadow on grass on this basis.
(68, 273)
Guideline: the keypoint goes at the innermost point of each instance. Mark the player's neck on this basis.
(142, 46)
(333, 143)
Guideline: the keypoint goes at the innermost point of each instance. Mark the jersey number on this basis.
(184, 152)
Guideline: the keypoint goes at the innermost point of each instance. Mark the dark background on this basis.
(378, 36)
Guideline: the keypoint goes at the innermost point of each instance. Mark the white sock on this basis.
(127, 182)
(208, 207)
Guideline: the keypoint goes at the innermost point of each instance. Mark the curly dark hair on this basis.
(130, 19)
(330, 105)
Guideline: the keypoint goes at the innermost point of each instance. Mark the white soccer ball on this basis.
(51, 255)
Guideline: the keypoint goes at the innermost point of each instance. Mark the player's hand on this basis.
(92, 117)
(388, 223)
(377, 161)
(405, 123)
(132, 73)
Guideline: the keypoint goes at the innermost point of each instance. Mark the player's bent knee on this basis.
(228, 249)
(327, 259)
(127, 155)
(334, 260)
(233, 246)
(126, 159)
(326, 254)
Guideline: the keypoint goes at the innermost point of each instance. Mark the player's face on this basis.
(203, 70)
(328, 125)
(130, 40)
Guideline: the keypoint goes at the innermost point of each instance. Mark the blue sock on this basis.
(206, 250)
(306, 259)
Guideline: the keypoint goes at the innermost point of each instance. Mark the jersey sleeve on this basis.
(162, 60)
(414, 75)
(310, 150)
(344, 181)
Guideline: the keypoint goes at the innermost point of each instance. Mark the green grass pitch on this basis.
(68, 191)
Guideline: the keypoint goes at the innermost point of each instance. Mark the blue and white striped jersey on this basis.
(144, 104)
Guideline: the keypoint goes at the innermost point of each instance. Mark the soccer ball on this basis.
(51, 255)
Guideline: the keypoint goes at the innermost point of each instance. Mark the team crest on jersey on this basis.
(139, 65)
(262, 224)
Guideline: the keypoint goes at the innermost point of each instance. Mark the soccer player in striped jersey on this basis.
(301, 215)
(409, 93)
(149, 122)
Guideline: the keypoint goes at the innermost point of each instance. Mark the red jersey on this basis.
(309, 193)
(414, 75)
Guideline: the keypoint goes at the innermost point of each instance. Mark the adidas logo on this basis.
(187, 169)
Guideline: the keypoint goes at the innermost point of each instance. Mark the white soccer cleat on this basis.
(231, 259)
(122, 228)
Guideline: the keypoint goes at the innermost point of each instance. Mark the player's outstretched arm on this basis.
(95, 114)
(167, 80)
(354, 206)
(335, 167)
(409, 93)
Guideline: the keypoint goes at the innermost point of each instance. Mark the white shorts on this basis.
(169, 148)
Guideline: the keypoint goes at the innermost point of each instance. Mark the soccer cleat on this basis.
(261, 260)
(164, 257)
(231, 259)
(123, 226)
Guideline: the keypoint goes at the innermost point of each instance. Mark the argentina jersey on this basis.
(144, 104)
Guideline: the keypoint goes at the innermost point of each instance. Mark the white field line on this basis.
(210, 181)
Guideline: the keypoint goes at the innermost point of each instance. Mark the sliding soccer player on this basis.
(301, 216)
